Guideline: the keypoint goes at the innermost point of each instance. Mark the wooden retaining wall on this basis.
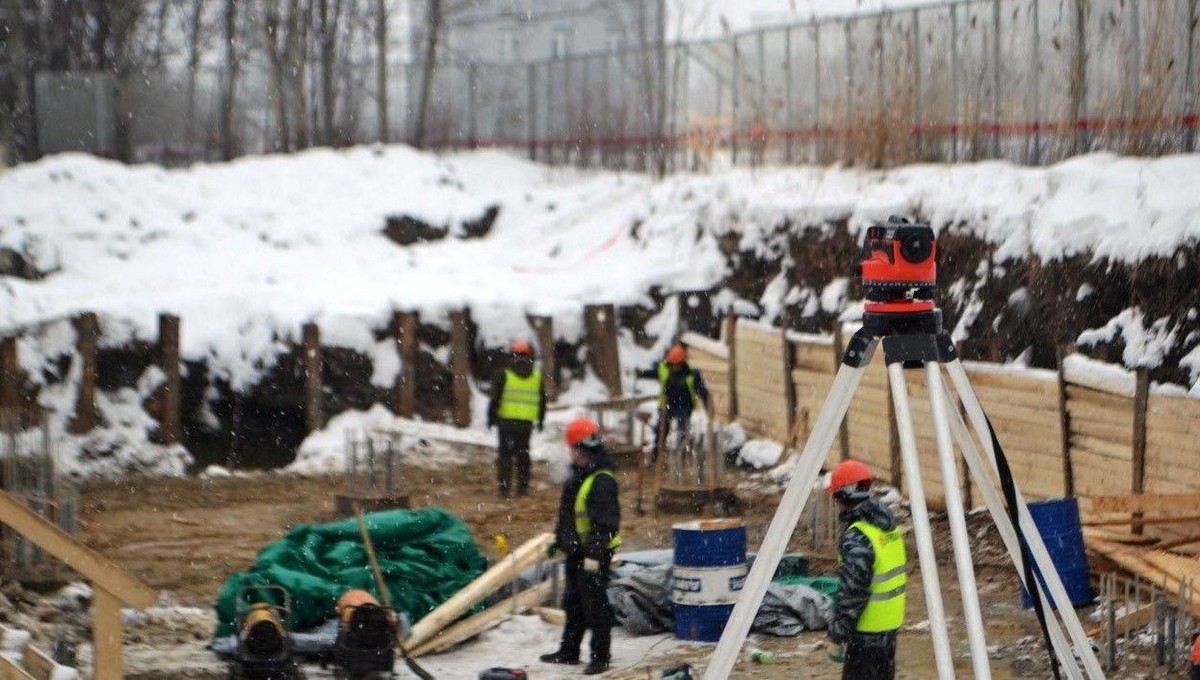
(1064, 433)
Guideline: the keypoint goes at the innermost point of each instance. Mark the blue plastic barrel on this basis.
(1057, 520)
(707, 577)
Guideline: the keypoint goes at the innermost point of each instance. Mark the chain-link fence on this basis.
(1031, 81)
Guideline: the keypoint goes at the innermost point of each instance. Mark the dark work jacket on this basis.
(856, 571)
(523, 366)
(679, 400)
(604, 509)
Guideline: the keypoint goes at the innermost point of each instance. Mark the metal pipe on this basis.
(958, 522)
(943, 656)
(804, 478)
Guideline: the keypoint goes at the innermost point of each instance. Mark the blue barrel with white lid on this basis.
(707, 577)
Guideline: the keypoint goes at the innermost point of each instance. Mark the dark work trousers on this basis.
(680, 421)
(513, 447)
(585, 602)
(875, 660)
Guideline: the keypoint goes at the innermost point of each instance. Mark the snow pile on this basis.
(247, 252)
(760, 453)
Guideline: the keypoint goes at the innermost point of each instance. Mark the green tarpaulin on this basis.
(426, 557)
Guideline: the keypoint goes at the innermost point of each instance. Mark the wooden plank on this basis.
(1117, 433)
(314, 400)
(170, 418)
(600, 326)
(404, 330)
(1180, 426)
(93, 566)
(1097, 398)
(1132, 621)
(460, 368)
(11, 671)
(1144, 503)
(543, 330)
(1009, 381)
(1041, 402)
(1181, 519)
(1166, 404)
(1103, 447)
(503, 572)
(87, 331)
(1141, 396)
(1117, 536)
(492, 616)
(106, 635)
(552, 615)
(1064, 421)
(38, 663)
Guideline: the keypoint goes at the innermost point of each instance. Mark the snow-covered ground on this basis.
(247, 252)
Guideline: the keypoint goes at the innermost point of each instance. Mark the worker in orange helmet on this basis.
(680, 390)
(872, 573)
(518, 405)
(587, 531)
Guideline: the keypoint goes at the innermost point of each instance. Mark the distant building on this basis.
(523, 31)
(488, 49)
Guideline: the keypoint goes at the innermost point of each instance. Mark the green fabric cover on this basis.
(824, 584)
(426, 556)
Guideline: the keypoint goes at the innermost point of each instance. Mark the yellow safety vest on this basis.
(583, 523)
(664, 372)
(522, 397)
(885, 608)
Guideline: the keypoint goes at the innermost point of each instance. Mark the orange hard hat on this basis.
(676, 355)
(352, 599)
(522, 347)
(847, 473)
(582, 431)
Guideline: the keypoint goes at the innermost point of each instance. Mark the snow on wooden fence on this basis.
(1091, 430)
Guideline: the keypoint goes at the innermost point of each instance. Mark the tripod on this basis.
(911, 340)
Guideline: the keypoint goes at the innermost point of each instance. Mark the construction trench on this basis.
(186, 536)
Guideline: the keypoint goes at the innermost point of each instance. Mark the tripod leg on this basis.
(958, 523)
(920, 517)
(804, 478)
(995, 508)
(1045, 565)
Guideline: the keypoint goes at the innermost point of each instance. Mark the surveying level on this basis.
(899, 277)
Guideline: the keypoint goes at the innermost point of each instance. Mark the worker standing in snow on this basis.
(589, 519)
(518, 404)
(680, 390)
(872, 572)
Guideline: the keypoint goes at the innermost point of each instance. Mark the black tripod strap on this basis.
(1031, 583)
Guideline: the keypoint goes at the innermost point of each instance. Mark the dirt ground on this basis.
(187, 535)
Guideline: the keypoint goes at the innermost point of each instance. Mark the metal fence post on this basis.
(1036, 73)
(761, 108)
(916, 60)
(531, 109)
(1189, 85)
(995, 78)
(472, 109)
(954, 77)
(818, 146)
(548, 101)
(735, 100)
(788, 111)
(849, 89)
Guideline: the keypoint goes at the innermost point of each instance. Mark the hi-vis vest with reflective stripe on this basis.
(583, 523)
(885, 608)
(664, 372)
(521, 397)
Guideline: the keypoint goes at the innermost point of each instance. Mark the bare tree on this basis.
(193, 30)
(329, 16)
(285, 24)
(433, 29)
(21, 130)
(229, 79)
(381, 71)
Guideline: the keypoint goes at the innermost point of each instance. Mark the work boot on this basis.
(560, 657)
(596, 667)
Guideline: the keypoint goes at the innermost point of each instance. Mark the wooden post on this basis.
(87, 331)
(731, 342)
(106, 636)
(170, 420)
(1064, 422)
(839, 348)
(314, 403)
(460, 368)
(543, 328)
(1141, 399)
(600, 322)
(789, 388)
(10, 378)
(404, 330)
